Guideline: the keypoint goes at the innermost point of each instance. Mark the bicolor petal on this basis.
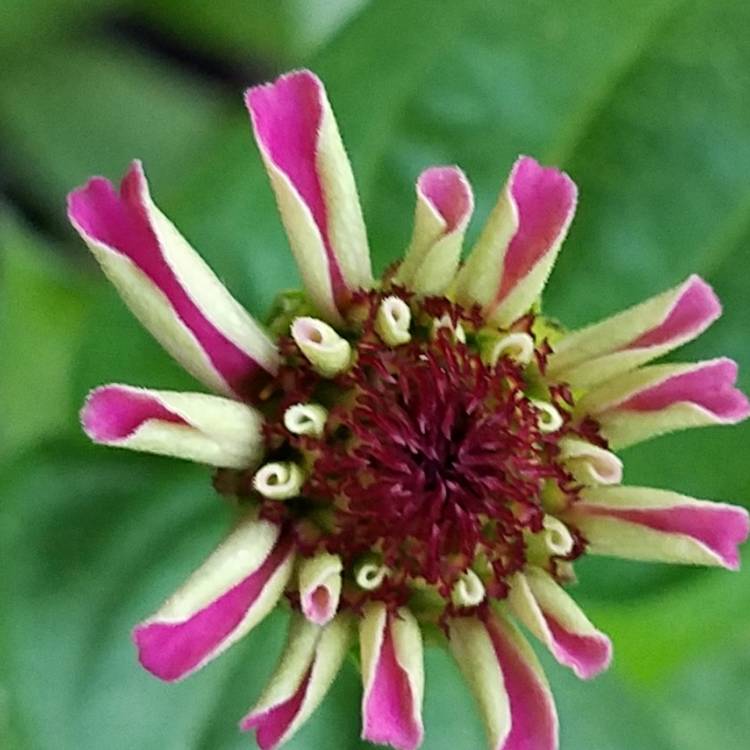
(310, 174)
(393, 677)
(169, 287)
(224, 599)
(320, 587)
(663, 398)
(509, 266)
(507, 681)
(589, 463)
(557, 621)
(640, 523)
(312, 657)
(195, 426)
(601, 351)
(444, 206)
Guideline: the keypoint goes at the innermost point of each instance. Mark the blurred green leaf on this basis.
(30, 23)
(708, 703)
(656, 634)
(645, 104)
(280, 30)
(133, 529)
(42, 308)
(80, 108)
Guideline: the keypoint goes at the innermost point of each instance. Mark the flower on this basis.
(426, 453)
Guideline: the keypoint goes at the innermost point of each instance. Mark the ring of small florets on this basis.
(428, 460)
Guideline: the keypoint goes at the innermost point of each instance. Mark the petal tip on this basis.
(449, 193)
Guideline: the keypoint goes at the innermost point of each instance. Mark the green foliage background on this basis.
(644, 102)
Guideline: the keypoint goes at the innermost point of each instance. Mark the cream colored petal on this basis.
(590, 464)
(320, 586)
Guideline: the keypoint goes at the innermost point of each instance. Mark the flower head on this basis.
(425, 453)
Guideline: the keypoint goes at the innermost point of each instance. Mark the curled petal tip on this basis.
(448, 193)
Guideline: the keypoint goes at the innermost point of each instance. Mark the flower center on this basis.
(434, 460)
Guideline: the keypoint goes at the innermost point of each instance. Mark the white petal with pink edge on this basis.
(320, 586)
(507, 681)
(234, 589)
(392, 676)
(629, 339)
(642, 523)
(444, 206)
(557, 621)
(509, 266)
(312, 657)
(663, 398)
(311, 176)
(194, 426)
(169, 288)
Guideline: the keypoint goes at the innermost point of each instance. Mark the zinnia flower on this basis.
(423, 453)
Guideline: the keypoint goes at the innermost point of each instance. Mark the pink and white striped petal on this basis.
(663, 398)
(509, 686)
(558, 622)
(194, 426)
(312, 657)
(640, 523)
(444, 206)
(393, 677)
(320, 587)
(169, 287)
(234, 589)
(600, 352)
(509, 266)
(311, 176)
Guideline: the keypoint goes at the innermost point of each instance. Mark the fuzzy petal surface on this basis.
(509, 686)
(304, 156)
(194, 426)
(169, 287)
(224, 599)
(509, 266)
(663, 398)
(393, 677)
(622, 342)
(557, 621)
(444, 206)
(641, 523)
(311, 660)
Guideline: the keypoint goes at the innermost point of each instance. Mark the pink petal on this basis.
(121, 222)
(533, 715)
(449, 193)
(545, 199)
(697, 307)
(286, 117)
(113, 413)
(271, 725)
(170, 650)
(721, 529)
(389, 710)
(317, 606)
(586, 655)
(710, 387)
